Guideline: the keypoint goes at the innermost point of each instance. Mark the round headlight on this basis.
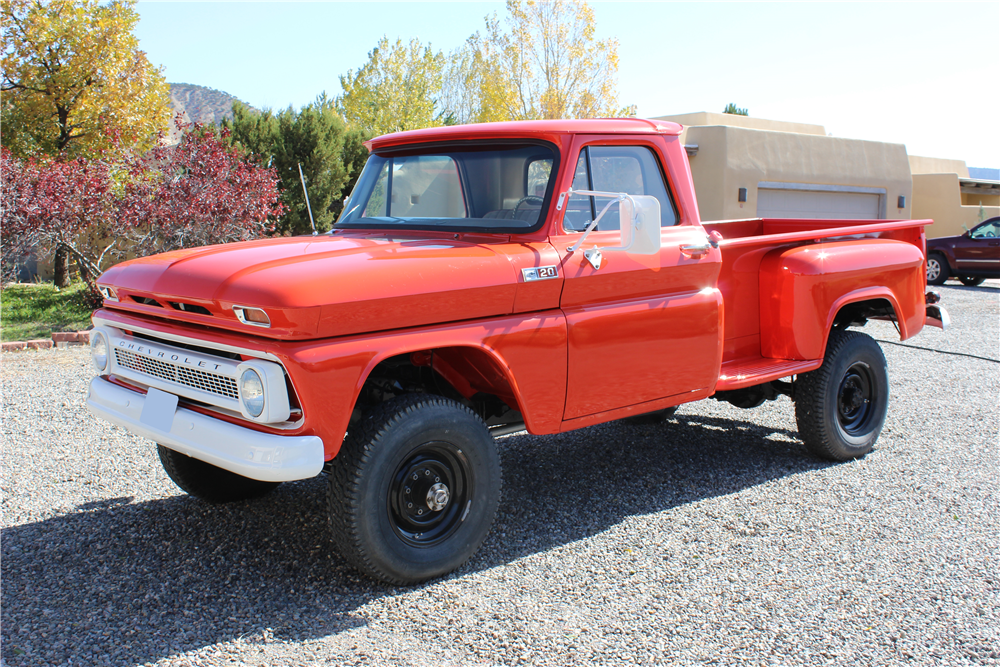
(99, 350)
(252, 392)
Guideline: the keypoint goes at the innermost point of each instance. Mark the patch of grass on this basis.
(35, 311)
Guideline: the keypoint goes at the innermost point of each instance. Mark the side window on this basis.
(579, 209)
(986, 231)
(630, 169)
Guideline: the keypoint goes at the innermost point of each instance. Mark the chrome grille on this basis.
(154, 367)
(212, 383)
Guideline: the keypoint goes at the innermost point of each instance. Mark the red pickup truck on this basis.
(484, 279)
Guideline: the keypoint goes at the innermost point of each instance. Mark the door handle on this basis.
(696, 249)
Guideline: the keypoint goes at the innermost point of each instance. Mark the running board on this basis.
(745, 372)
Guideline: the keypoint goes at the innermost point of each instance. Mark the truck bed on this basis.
(754, 231)
(744, 245)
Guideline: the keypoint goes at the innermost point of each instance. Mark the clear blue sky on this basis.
(921, 74)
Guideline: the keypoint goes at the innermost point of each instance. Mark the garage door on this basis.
(801, 203)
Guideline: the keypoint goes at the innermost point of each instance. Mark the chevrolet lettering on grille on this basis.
(160, 354)
(201, 377)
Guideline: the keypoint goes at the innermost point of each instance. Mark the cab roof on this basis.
(526, 128)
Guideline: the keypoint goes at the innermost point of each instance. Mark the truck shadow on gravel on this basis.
(124, 583)
(559, 489)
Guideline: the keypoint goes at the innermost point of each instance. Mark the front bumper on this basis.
(263, 456)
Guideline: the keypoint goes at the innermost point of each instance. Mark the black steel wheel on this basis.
(428, 493)
(414, 489)
(937, 269)
(972, 281)
(841, 406)
(208, 482)
(856, 400)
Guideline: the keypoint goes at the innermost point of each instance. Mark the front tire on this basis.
(972, 281)
(937, 269)
(414, 489)
(841, 406)
(208, 482)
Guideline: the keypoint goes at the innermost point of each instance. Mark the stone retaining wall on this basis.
(59, 339)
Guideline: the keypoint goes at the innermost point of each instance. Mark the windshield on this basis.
(499, 187)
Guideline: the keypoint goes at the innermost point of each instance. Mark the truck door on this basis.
(641, 328)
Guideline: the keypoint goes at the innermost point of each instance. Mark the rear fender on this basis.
(802, 289)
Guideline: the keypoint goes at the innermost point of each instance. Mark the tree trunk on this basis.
(61, 268)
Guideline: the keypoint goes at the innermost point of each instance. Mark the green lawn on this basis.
(35, 311)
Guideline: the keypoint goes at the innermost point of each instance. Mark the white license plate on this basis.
(158, 410)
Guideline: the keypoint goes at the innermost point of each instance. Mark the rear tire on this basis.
(937, 269)
(208, 482)
(972, 281)
(414, 489)
(841, 406)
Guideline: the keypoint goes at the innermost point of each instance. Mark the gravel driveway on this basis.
(711, 539)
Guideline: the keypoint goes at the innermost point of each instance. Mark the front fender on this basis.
(326, 376)
(530, 350)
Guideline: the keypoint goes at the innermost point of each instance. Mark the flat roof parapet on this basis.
(702, 118)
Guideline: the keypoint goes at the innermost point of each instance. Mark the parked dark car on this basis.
(971, 258)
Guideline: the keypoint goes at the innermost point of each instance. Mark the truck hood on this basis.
(317, 287)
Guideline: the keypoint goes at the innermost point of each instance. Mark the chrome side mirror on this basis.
(640, 225)
(642, 235)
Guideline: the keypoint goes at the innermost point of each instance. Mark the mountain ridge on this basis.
(199, 104)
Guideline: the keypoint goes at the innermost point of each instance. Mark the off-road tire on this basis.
(841, 406)
(972, 281)
(937, 269)
(372, 512)
(208, 482)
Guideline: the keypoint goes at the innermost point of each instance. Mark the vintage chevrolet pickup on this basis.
(485, 279)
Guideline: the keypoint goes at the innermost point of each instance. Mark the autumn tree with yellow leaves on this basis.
(74, 80)
(396, 90)
(542, 62)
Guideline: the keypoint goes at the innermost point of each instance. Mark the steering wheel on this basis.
(530, 199)
(989, 235)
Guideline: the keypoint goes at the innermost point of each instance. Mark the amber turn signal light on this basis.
(252, 316)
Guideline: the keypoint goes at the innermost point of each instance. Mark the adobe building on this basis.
(747, 167)
(944, 192)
